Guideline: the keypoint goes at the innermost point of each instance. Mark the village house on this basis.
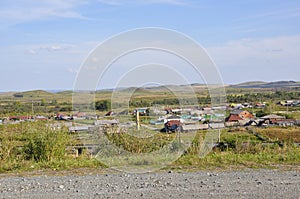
(173, 110)
(107, 123)
(40, 118)
(239, 117)
(83, 128)
(110, 113)
(289, 103)
(236, 106)
(216, 125)
(172, 123)
(243, 114)
(61, 116)
(277, 120)
(20, 118)
(284, 122)
(272, 117)
(194, 127)
(142, 111)
(234, 118)
(260, 105)
(241, 106)
(79, 116)
(207, 111)
(173, 117)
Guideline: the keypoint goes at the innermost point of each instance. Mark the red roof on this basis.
(274, 121)
(172, 122)
(19, 117)
(234, 118)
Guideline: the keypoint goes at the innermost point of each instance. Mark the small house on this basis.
(173, 110)
(234, 118)
(216, 125)
(141, 111)
(107, 122)
(172, 125)
(277, 120)
(110, 113)
(239, 118)
(272, 117)
(74, 129)
(194, 127)
(283, 122)
(41, 118)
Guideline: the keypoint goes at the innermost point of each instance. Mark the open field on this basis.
(35, 146)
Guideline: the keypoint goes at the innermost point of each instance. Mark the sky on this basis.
(44, 43)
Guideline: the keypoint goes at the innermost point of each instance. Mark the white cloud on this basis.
(35, 49)
(20, 11)
(17, 11)
(276, 57)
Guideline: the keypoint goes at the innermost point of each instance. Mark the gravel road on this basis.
(163, 184)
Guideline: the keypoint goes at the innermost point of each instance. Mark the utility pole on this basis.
(138, 120)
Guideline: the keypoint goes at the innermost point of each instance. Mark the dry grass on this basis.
(290, 134)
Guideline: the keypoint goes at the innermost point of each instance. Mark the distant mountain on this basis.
(7, 94)
(55, 91)
(153, 89)
(34, 93)
(261, 84)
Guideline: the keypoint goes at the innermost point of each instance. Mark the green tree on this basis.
(43, 102)
(103, 105)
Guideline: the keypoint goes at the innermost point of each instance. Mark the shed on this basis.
(216, 125)
(193, 127)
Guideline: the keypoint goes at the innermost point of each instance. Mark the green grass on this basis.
(245, 151)
(35, 146)
(266, 158)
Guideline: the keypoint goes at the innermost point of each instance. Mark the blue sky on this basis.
(44, 42)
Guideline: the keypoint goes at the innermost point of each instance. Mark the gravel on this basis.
(163, 184)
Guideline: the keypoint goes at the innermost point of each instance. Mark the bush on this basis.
(46, 144)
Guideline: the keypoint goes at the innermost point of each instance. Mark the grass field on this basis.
(287, 134)
(30, 147)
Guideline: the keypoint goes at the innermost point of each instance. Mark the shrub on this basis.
(45, 144)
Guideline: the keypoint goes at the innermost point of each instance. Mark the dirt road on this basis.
(163, 184)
